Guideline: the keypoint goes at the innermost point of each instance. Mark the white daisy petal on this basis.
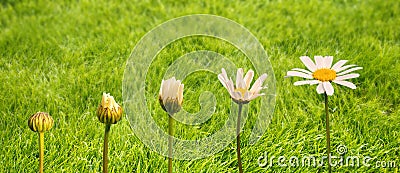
(338, 65)
(319, 61)
(302, 70)
(232, 94)
(230, 91)
(257, 90)
(224, 75)
(328, 61)
(328, 88)
(299, 74)
(308, 63)
(239, 78)
(180, 92)
(304, 82)
(174, 87)
(167, 88)
(243, 84)
(344, 68)
(162, 88)
(345, 83)
(237, 95)
(255, 96)
(349, 70)
(320, 89)
(258, 83)
(230, 86)
(348, 76)
(247, 95)
(248, 78)
(222, 80)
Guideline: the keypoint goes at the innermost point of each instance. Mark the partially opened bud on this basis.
(171, 95)
(40, 122)
(109, 112)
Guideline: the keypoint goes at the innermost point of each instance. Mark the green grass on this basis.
(59, 57)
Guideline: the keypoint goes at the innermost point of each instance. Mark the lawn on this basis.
(59, 57)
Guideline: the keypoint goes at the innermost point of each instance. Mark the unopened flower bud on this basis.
(40, 122)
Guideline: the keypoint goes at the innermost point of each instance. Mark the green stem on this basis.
(328, 136)
(41, 151)
(238, 139)
(170, 139)
(105, 148)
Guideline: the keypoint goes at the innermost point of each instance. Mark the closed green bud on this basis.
(40, 122)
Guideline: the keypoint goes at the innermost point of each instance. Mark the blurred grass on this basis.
(59, 57)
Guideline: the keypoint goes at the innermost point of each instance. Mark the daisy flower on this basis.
(108, 112)
(242, 92)
(171, 95)
(323, 73)
(171, 98)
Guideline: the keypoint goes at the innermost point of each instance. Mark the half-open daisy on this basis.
(323, 73)
(171, 95)
(241, 93)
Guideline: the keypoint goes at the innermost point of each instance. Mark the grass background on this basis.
(59, 57)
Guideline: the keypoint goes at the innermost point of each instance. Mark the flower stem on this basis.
(41, 151)
(238, 139)
(105, 148)
(328, 136)
(170, 138)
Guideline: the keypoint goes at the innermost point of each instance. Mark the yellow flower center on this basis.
(241, 90)
(324, 75)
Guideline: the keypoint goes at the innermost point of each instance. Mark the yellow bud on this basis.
(40, 122)
(109, 112)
